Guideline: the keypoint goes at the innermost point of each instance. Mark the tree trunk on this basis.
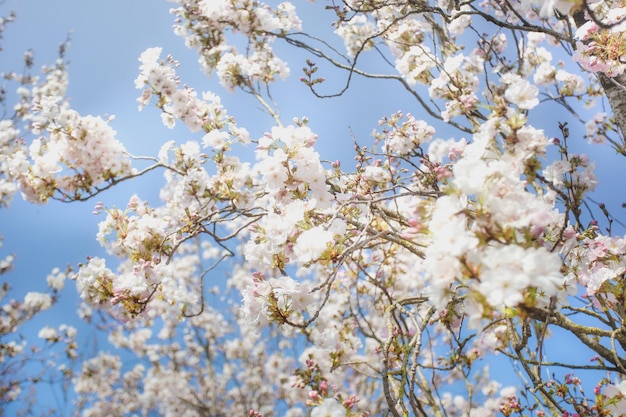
(615, 90)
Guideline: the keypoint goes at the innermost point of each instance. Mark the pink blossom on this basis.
(329, 408)
(523, 94)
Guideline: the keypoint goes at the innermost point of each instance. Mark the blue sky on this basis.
(107, 38)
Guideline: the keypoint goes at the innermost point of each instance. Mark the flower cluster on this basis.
(204, 25)
(71, 156)
(600, 49)
(9, 164)
(403, 139)
(159, 78)
(597, 261)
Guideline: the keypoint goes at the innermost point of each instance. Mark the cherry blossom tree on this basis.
(460, 236)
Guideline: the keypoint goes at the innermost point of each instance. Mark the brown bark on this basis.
(615, 90)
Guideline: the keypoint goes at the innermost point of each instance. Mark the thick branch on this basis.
(583, 333)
